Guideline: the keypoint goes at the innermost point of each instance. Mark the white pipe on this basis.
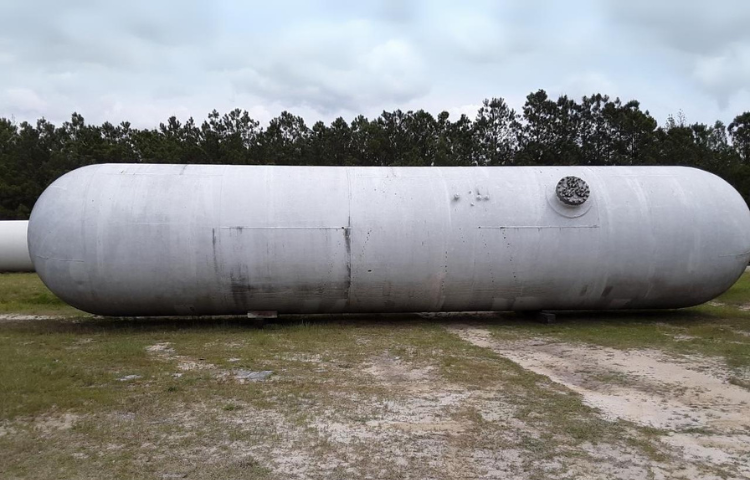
(14, 250)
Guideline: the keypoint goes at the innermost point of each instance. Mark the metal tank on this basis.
(206, 239)
(14, 249)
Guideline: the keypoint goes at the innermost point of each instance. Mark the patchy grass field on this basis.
(24, 294)
(603, 395)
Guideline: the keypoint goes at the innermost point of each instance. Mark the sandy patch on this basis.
(707, 418)
(49, 424)
(166, 352)
(161, 349)
(15, 317)
(393, 370)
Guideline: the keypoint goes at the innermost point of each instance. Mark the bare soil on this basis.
(702, 417)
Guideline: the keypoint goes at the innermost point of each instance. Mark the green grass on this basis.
(721, 329)
(739, 294)
(24, 293)
(202, 423)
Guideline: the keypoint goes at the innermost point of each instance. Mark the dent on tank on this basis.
(209, 239)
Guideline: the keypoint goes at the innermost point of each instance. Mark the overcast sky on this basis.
(143, 61)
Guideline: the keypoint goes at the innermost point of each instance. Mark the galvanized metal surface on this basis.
(177, 239)
(14, 249)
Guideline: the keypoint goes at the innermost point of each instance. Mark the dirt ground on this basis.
(401, 413)
(643, 395)
(706, 420)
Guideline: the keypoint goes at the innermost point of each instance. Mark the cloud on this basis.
(711, 38)
(123, 35)
(143, 61)
(726, 73)
(333, 67)
(398, 11)
(25, 101)
(586, 83)
(690, 26)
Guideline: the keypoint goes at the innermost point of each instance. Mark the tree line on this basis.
(597, 130)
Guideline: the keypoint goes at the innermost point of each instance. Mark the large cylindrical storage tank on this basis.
(198, 239)
(14, 248)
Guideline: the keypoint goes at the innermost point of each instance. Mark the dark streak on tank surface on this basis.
(348, 246)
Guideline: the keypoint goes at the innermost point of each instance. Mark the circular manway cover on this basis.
(572, 191)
